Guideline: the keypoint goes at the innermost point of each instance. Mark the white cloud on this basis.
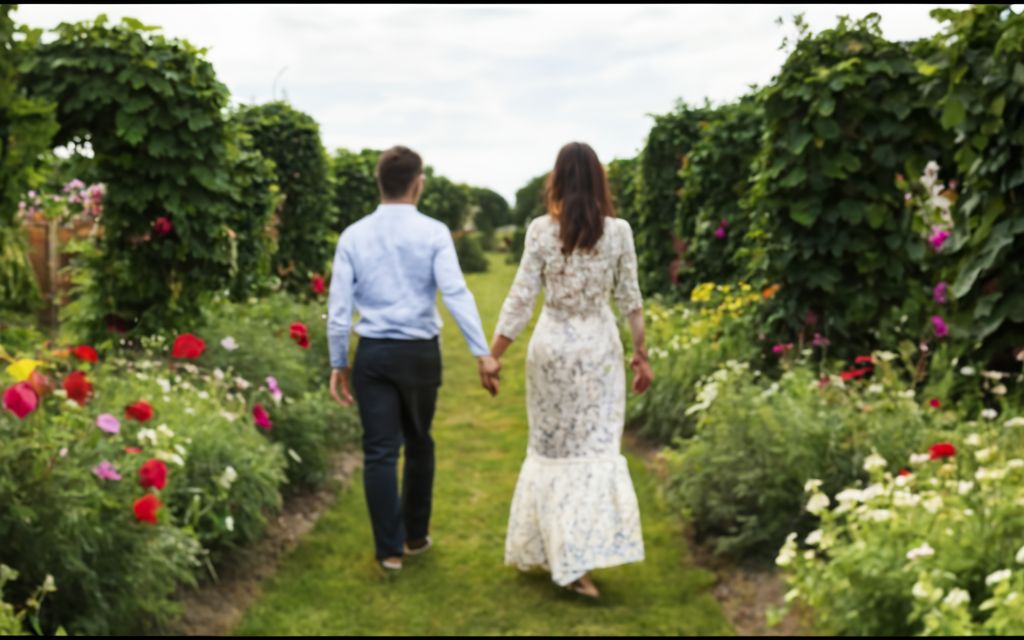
(488, 93)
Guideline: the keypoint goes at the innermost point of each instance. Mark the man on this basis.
(391, 264)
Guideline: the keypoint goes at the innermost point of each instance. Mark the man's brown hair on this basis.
(397, 168)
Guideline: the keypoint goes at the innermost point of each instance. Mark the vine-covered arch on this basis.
(188, 199)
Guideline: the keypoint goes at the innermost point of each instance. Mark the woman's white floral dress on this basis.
(574, 507)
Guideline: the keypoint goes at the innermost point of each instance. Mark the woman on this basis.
(574, 507)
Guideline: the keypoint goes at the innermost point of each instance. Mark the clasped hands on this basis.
(489, 368)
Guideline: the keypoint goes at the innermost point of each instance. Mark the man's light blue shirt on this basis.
(390, 265)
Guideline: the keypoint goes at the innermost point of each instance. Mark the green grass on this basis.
(330, 584)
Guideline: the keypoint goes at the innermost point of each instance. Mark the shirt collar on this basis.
(395, 207)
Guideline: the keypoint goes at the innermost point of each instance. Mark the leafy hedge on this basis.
(292, 140)
(445, 200)
(354, 186)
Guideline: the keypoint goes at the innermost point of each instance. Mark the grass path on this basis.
(330, 583)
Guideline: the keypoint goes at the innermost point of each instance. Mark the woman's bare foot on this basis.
(586, 587)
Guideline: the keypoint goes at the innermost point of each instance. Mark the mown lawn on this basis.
(330, 583)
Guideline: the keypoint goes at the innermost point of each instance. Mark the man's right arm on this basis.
(339, 304)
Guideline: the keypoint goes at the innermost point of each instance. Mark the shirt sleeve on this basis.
(339, 305)
(456, 295)
(627, 286)
(517, 309)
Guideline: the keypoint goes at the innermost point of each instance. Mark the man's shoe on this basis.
(423, 545)
(391, 564)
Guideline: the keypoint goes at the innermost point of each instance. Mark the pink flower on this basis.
(720, 232)
(939, 293)
(274, 389)
(938, 238)
(106, 471)
(261, 417)
(939, 325)
(108, 423)
(782, 348)
(820, 340)
(21, 399)
(163, 226)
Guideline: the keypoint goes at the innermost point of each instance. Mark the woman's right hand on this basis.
(643, 375)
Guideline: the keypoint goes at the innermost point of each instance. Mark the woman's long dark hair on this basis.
(578, 195)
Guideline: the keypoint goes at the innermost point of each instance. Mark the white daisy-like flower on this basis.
(190, 411)
(167, 456)
(1014, 422)
(812, 485)
(228, 477)
(147, 436)
(874, 461)
(932, 504)
(956, 598)
(818, 503)
(1016, 463)
(229, 523)
(919, 458)
(984, 455)
(218, 373)
(872, 492)
(191, 368)
(924, 551)
(989, 414)
(964, 487)
(849, 495)
(983, 474)
(997, 577)
(229, 343)
(165, 431)
(973, 440)
(908, 394)
(227, 415)
(879, 515)
(967, 371)
(813, 537)
(905, 499)
(999, 390)
(242, 383)
(204, 395)
(141, 376)
(164, 384)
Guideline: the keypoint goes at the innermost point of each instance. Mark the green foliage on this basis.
(658, 191)
(491, 211)
(445, 200)
(27, 124)
(355, 188)
(622, 179)
(152, 109)
(292, 140)
(842, 118)
(529, 205)
(974, 74)
(716, 179)
(471, 254)
(310, 427)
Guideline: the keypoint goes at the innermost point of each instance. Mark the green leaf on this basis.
(953, 113)
(803, 214)
(925, 68)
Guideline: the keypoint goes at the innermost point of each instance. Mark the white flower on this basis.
(879, 515)
(204, 395)
(908, 394)
(885, 356)
(229, 522)
(812, 485)
(228, 477)
(964, 487)
(993, 375)
(875, 389)
(242, 383)
(190, 411)
(969, 512)
(1014, 422)
(1020, 556)
(813, 537)
(973, 440)
(141, 376)
(295, 456)
(924, 551)
(164, 384)
(922, 592)
(998, 576)
(967, 371)
(872, 492)
(818, 503)
(227, 415)
(167, 456)
(191, 368)
(1016, 463)
(957, 597)
(874, 461)
(984, 455)
(60, 393)
(791, 595)
(849, 495)
(919, 458)
(147, 436)
(983, 474)
(933, 504)
(788, 551)
(164, 431)
(229, 343)
(999, 390)
(906, 499)
(218, 374)
(989, 414)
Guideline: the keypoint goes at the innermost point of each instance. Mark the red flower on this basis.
(941, 450)
(132, 450)
(300, 334)
(146, 508)
(42, 385)
(141, 411)
(317, 284)
(153, 473)
(85, 352)
(823, 382)
(187, 346)
(863, 360)
(78, 387)
(262, 418)
(21, 399)
(163, 226)
(904, 472)
(855, 373)
(934, 402)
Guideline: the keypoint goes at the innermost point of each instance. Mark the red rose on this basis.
(187, 346)
(303, 341)
(855, 373)
(934, 402)
(141, 411)
(85, 352)
(153, 473)
(941, 450)
(163, 226)
(146, 508)
(78, 387)
(300, 334)
(863, 359)
(317, 284)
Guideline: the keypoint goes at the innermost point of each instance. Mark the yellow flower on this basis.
(20, 370)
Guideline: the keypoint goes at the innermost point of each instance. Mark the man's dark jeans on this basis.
(396, 383)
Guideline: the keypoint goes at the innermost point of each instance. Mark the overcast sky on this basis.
(488, 93)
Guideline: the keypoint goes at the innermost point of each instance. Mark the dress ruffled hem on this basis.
(572, 515)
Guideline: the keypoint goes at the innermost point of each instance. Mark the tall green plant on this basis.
(354, 186)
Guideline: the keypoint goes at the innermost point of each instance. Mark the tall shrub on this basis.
(354, 185)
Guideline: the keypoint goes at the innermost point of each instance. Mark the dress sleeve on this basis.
(627, 287)
(517, 309)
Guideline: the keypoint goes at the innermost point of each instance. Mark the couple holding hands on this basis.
(574, 508)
